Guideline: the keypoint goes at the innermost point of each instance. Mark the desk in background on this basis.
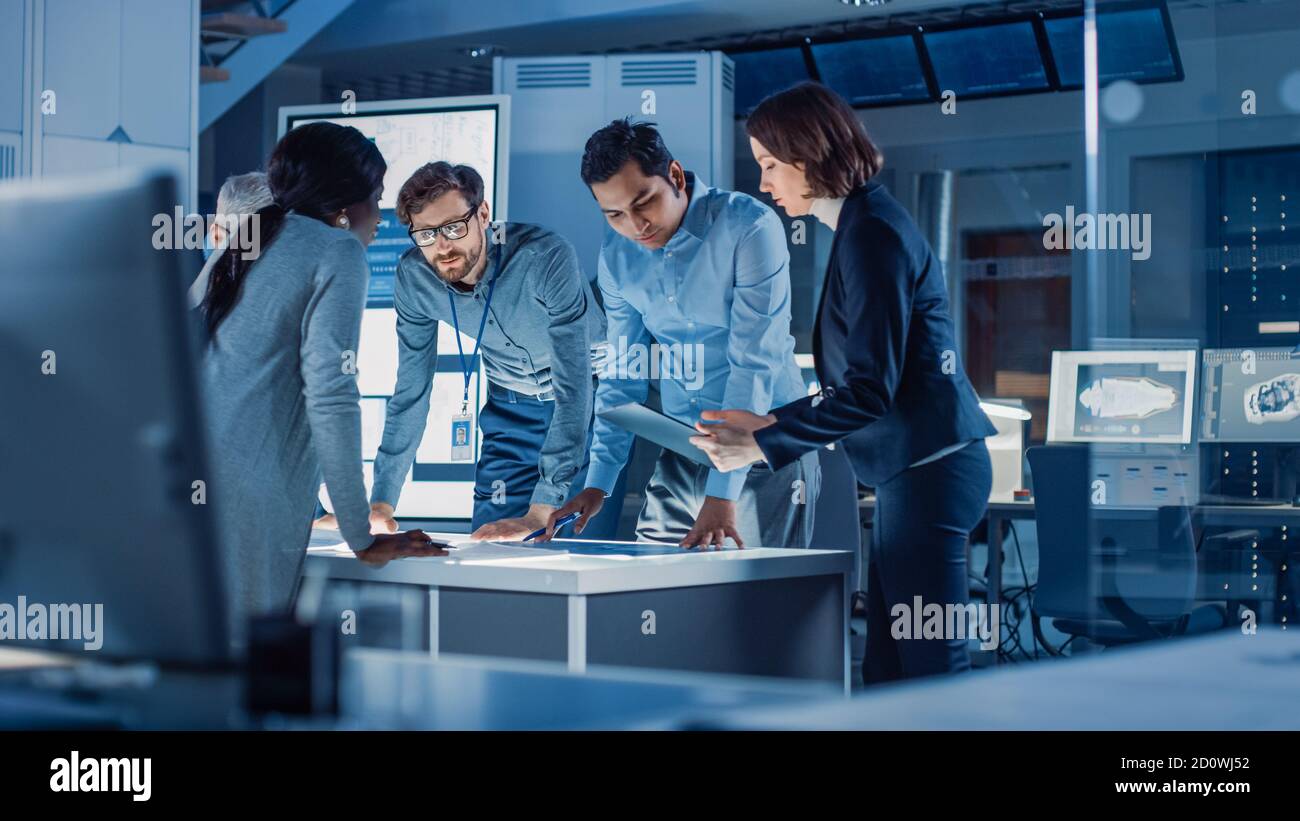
(1240, 516)
(997, 513)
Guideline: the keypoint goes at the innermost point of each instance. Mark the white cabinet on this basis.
(157, 69)
(76, 155)
(557, 102)
(689, 98)
(124, 76)
(12, 59)
(82, 66)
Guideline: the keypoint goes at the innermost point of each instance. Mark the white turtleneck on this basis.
(827, 209)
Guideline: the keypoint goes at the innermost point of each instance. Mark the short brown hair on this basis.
(434, 179)
(814, 127)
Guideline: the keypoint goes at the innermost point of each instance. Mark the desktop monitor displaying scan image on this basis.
(409, 133)
(1123, 397)
(1250, 395)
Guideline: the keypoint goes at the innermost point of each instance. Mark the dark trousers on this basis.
(514, 426)
(923, 518)
(775, 508)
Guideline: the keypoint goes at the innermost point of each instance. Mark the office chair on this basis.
(1112, 576)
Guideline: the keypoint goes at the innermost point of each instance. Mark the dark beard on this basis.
(470, 262)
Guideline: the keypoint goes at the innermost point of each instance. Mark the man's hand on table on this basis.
(513, 530)
(587, 504)
(717, 521)
(381, 518)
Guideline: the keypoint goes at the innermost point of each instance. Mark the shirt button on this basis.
(492, 322)
(509, 345)
(672, 299)
(690, 324)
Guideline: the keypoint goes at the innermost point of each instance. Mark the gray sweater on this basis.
(281, 410)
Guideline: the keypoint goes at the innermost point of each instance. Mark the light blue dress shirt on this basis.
(717, 299)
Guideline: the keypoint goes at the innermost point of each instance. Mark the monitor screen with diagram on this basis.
(1250, 395)
(409, 133)
(1127, 397)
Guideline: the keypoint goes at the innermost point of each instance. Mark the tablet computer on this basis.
(664, 431)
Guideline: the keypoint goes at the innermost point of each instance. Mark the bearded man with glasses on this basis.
(519, 293)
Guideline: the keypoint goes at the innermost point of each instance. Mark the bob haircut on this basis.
(812, 127)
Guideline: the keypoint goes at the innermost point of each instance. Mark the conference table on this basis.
(757, 611)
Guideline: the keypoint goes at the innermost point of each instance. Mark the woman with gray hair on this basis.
(240, 196)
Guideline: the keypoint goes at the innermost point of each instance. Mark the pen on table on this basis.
(559, 523)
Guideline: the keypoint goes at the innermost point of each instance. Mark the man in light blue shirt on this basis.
(696, 286)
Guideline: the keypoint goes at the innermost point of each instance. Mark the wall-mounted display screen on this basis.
(1132, 44)
(410, 133)
(987, 60)
(761, 73)
(873, 71)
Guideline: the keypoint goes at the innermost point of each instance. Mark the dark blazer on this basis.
(893, 388)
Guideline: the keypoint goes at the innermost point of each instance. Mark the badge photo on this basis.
(462, 437)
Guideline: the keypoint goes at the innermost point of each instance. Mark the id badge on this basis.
(462, 437)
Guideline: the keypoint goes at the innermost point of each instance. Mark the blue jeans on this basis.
(514, 426)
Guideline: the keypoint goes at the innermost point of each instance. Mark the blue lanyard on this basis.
(466, 370)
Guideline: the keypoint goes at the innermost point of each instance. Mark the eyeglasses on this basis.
(425, 237)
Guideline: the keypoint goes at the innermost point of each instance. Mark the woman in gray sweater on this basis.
(279, 372)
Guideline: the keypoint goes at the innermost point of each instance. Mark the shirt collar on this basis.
(693, 220)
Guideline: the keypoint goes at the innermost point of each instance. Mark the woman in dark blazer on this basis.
(894, 393)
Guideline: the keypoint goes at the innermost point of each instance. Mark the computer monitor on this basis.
(1134, 42)
(1124, 397)
(983, 61)
(873, 71)
(103, 529)
(762, 72)
(1250, 395)
(409, 133)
